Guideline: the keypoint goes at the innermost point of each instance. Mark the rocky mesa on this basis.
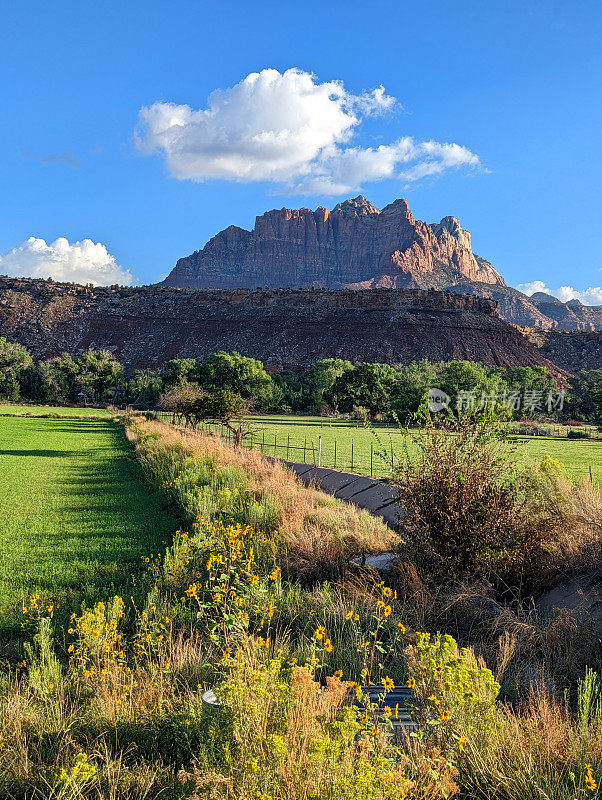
(285, 328)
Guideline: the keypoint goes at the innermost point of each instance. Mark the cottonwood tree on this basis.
(13, 359)
(238, 374)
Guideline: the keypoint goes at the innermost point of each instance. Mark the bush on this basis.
(577, 434)
(466, 502)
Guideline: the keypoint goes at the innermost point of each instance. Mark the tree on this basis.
(224, 407)
(13, 359)
(99, 372)
(367, 385)
(239, 374)
(179, 370)
(475, 390)
(322, 376)
(413, 382)
(180, 400)
(585, 396)
(144, 388)
(59, 379)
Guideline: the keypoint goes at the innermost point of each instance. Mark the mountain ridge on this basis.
(359, 246)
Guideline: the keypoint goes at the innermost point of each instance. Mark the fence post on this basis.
(352, 455)
(313, 450)
(591, 477)
(371, 457)
(275, 451)
(319, 450)
(304, 449)
(288, 442)
(392, 464)
(335, 453)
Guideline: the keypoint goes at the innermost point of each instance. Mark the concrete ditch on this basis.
(377, 497)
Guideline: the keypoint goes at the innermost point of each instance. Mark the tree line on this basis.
(331, 386)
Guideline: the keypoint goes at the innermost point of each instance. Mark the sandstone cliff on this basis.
(358, 246)
(355, 245)
(291, 329)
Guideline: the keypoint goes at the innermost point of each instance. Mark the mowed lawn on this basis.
(297, 437)
(16, 409)
(75, 513)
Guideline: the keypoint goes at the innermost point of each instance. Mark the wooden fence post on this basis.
(319, 450)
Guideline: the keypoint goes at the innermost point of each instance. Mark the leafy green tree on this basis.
(59, 379)
(144, 388)
(13, 359)
(413, 383)
(99, 372)
(585, 396)
(239, 374)
(226, 407)
(321, 377)
(179, 370)
(293, 391)
(474, 389)
(367, 386)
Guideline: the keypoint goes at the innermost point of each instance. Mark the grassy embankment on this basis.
(75, 513)
(259, 600)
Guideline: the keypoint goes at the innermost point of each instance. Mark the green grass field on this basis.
(18, 410)
(298, 437)
(75, 513)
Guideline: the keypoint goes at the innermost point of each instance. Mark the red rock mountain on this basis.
(355, 245)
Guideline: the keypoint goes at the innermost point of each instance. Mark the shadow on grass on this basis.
(108, 518)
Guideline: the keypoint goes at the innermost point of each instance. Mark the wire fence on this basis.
(347, 453)
(364, 453)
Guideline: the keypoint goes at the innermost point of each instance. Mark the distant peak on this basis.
(356, 207)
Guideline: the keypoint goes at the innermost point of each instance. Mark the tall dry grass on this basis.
(320, 533)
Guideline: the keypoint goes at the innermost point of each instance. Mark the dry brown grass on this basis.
(320, 532)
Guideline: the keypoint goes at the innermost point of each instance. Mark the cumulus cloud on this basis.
(289, 129)
(79, 262)
(589, 297)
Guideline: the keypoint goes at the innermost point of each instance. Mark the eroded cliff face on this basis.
(286, 329)
(355, 245)
(358, 246)
(572, 351)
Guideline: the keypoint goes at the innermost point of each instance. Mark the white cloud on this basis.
(80, 262)
(289, 129)
(589, 297)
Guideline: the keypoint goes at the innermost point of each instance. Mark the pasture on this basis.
(21, 410)
(75, 513)
(296, 437)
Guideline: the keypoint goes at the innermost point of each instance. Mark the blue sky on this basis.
(515, 84)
